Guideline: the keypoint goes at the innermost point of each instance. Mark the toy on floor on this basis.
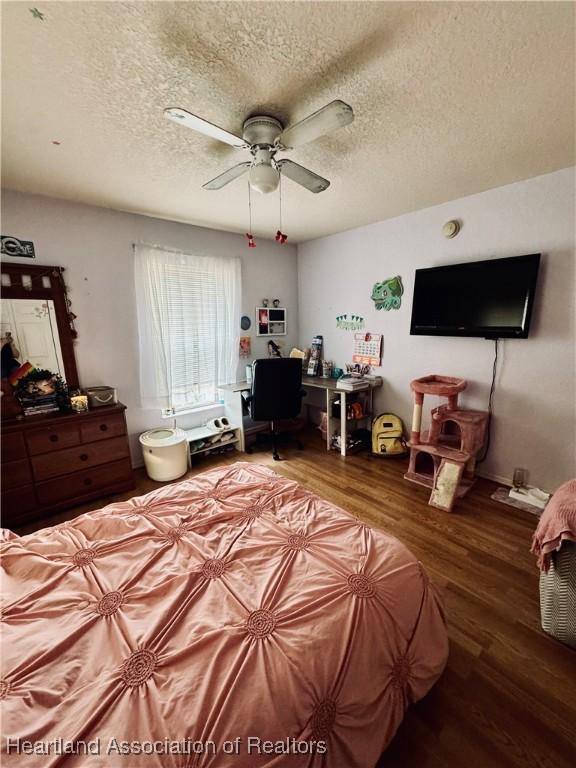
(388, 436)
(444, 459)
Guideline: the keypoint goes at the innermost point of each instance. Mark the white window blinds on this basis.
(188, 321)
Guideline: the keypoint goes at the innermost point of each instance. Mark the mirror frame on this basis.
(57, 293)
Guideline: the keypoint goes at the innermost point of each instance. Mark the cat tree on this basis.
(444, 458)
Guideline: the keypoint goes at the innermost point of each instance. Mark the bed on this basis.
(233, 619)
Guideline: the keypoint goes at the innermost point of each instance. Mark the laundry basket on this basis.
(554, 544)
(165, 453)
(558, 595)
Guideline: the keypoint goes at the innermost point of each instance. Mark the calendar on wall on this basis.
(367, 348)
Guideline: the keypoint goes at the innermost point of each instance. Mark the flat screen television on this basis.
(492, 299)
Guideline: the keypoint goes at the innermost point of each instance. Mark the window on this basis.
(188, 310)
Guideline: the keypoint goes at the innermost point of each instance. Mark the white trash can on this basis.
(165, 453)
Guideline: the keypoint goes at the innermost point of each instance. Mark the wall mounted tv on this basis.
(492, 299)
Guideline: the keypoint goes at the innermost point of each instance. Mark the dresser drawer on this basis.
(53, 438)
(17, 503)
(15, 473)
(73, 459)
(101, 429)
(13, 446)
(87, 482)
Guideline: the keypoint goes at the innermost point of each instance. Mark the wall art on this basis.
(350, 322)
(11, 246)
(388, 293)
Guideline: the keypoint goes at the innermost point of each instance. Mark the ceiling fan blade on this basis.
(303, 176)
(335, 115)
(189, 120)
(227, 176)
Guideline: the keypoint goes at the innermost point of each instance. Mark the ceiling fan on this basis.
(264, 136)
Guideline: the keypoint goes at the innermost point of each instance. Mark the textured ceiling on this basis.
(450, 99)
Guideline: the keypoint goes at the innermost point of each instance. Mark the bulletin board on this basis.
(367, 349)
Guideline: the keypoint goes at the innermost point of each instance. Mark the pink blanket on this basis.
(557, 524)
(233, 620)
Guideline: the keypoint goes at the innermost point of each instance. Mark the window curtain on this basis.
(188, 320)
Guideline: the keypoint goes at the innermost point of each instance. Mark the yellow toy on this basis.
(388, 436)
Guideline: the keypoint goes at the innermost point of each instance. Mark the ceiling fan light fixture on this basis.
(264, 136)
(264, 178)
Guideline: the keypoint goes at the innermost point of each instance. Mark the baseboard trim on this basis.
(500, 479)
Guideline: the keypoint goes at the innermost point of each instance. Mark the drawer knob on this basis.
(88, 481)
(83, 457)
(103, 427)
(53, 438)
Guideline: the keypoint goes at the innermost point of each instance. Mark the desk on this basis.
(232, 397)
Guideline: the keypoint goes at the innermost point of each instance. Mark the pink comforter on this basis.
(234, 619)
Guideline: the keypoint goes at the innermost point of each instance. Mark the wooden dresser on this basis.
(60, 460)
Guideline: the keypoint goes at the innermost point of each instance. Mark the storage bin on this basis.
(165, 453)
(99, 396)
(558, 595)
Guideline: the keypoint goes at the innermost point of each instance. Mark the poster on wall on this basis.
(245, 346)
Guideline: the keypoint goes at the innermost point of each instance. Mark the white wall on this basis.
(534, 423)
(95, 246)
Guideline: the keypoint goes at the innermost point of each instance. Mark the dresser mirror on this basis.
(36, 320)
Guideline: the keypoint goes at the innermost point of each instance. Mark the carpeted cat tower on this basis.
(444, 458)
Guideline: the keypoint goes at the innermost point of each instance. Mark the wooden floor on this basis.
(508, 695)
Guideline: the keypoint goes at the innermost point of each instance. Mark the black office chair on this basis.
(276, 393)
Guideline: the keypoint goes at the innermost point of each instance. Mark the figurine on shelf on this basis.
(274, 349)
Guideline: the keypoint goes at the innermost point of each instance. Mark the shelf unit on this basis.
(210, 439)
(271, 321)
(332, 392)
(338, 421)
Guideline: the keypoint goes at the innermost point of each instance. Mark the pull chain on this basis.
(280, 186)
(249, 235)
(280, 236)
